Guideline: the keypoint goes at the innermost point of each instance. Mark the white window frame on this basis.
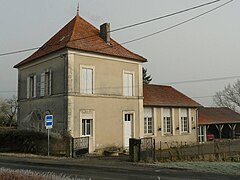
(83, 88)
(148, 121)
(46, 84)
(184, 120)
(31, 86)
(85, 123)
(167, 121)
(86, 115)
(128, 90)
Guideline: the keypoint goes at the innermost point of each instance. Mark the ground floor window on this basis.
(167, 121)
(148, 125)
(184, 120)
(86, 127)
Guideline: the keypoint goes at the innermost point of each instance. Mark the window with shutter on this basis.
(127, 84)
(184, 120)
(87, 81)
(167, 121)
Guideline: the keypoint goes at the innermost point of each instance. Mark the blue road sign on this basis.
(48, 121)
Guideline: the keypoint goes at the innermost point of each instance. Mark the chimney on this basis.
(105, 32)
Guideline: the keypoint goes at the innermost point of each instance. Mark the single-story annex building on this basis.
(221, 122)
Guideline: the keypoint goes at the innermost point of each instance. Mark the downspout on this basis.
(65, 59)
(197, 127)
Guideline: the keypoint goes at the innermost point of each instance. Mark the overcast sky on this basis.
(208, 47)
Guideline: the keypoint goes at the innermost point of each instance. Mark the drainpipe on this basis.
(197, 127)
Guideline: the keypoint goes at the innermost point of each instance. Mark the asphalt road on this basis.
(105, 169)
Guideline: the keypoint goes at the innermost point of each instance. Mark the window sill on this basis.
(85, 136)
(167, 134)
(149, 135)
(185, 133)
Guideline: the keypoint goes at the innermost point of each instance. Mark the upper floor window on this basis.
(128, 84)
(167, 121)
(45, 83)
(184, 120)
(87, 80)
(31, 86)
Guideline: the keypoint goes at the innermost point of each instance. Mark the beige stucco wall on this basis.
(56, 103)
(108, 78)
(107, 102)
(177, 135)
(107, 120)
(66, 102)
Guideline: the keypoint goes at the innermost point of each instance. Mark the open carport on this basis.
(217, 123)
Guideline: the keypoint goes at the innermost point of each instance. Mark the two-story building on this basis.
(90, 84)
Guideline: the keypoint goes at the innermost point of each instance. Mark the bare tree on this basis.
(146, 78)
(229, 96)
(8, 111)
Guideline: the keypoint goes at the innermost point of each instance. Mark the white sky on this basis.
(207, 47)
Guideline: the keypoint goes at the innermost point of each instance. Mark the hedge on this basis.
(23, 141)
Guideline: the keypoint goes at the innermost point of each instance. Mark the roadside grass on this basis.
(20, 174)
(229, 168)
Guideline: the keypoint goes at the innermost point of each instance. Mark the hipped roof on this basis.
(216, 115)
(81, 35)
(167, 96)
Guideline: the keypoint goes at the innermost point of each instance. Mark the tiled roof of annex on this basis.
(217, 115)
(167, 96)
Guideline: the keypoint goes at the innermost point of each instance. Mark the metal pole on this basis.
(48, 141)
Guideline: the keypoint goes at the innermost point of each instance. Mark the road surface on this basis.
(104, 169)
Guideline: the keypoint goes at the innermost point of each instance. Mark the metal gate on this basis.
(147, 149)
(80, 146)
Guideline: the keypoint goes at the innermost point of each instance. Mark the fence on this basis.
(215, 150)
(150, 150)
(80, 146)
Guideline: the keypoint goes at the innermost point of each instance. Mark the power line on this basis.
(19, 51)
(202, 80)
(200, 97)
(165, 16)
(125, 27)
(176, 25)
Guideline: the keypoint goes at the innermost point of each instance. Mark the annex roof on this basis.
(167, 96)
(81, 35)
(217, 115)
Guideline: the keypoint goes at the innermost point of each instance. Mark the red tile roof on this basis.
(81, 35)
(158, 95)
(221, 115)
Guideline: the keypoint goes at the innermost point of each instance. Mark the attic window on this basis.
(62, 39)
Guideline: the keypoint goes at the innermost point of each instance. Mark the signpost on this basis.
(48, 125)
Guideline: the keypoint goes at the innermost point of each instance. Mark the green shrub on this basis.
(23, 141)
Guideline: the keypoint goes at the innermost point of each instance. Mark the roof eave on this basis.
(172, 105)
(22, 63)
(138, 60)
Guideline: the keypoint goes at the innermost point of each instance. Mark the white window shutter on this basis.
(42, 85)
(125, 84)
(84, 78)
(130, 84)
(28, 83)
(50, 82)
(35, 85)
(89, 81)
